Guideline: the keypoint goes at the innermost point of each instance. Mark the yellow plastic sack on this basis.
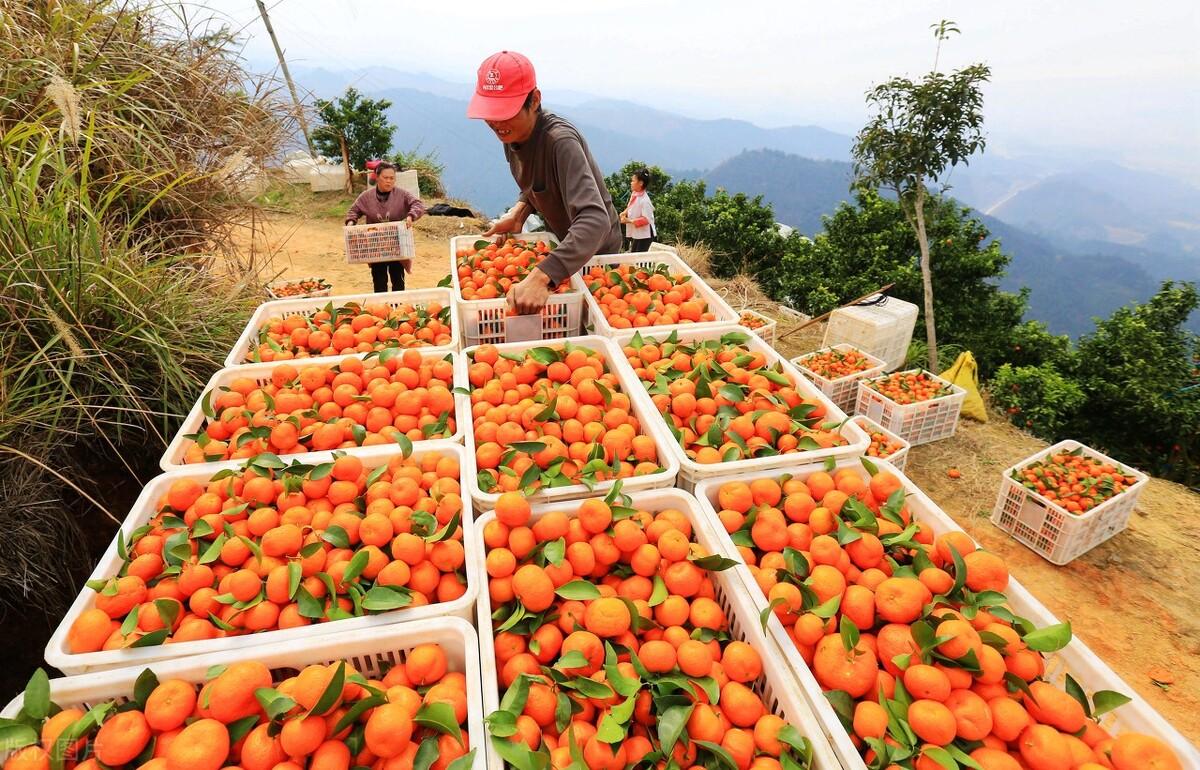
(965, 374)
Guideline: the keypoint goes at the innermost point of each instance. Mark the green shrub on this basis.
(1037, 398)
(1137, 371)
(429, 171)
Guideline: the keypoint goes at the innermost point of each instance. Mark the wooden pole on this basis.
(821, 318)
(262, 10)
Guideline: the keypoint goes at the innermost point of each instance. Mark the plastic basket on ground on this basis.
(917, 423)
(881, 328)
(58, 652)
(245, 350)
(629, 385)
(486, 321)
(1076, 658)
(175, 456)
(317, 287)
(843, 391)
(371, 652)
(898, 457)
(692, 472)
(776, 686)
(1049, 529)
(760, 324)
(382, 242)
(598, 324)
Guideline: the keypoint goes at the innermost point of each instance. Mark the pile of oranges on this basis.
(613, 649)
(271, 548)
(881, 446)
(910, 387)
(388, 396)
(751, 320)
(352, 328)
(302, 287)
(552, 416)
(634, 297)
(324, 717)
(487, 271)
(909, 634)
(834, 364)
(723, 402)
(1075, 481)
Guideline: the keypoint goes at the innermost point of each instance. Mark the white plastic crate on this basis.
(917, 423)
(882, 329)
(486, 321)
(1048, 529)
(173, 457)
(692, 472)
(244, 350)
(371, 652)
(898, 458)
(629, 385)
(598, 324)
(767, 330)
(382, 242)
(1076, 659)
(58, 653)
(776, 686)
(843, 391)
(274, 286)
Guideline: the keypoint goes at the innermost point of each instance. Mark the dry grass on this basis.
(696, 257)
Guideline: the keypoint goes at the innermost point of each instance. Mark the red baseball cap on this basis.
(503, 82)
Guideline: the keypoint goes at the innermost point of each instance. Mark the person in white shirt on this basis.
(638, 216)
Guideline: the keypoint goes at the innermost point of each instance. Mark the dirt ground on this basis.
(311, 245)
(1130, 599)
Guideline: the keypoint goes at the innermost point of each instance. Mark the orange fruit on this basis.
(425, 664)
(388, 730)
(121, 738)
(202, 745)
(170, 704)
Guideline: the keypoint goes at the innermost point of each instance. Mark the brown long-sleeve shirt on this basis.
(395, 207)
(559, 177)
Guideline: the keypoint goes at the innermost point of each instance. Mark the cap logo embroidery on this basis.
(492, 80)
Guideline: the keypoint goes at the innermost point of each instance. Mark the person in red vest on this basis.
(555, 172)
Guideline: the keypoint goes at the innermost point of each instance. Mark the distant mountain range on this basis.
(1085, 237)
(1071, 281)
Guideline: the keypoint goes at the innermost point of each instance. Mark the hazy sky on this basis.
(1118, 78)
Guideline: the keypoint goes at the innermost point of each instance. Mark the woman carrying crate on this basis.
(638, 216)
(386, 203)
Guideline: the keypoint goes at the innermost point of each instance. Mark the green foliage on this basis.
(618, 183)
(362, 123)
(739, 230)
(1130, 388)
(1135, 370)
(1038, 398)
(429, 171)
(919, 130)
(869, 244)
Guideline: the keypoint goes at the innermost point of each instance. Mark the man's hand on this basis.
(530, 295)
(511, 222)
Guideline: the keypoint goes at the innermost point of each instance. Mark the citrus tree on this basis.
(921, 129)
(354, 129)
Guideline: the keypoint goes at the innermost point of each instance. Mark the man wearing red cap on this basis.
(555, 171)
